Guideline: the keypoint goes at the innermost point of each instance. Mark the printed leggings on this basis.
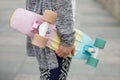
(59, 73)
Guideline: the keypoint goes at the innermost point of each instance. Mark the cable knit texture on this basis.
(47, 57)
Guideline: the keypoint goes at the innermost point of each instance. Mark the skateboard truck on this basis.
(92, 59)
(49, 17)
(39, 39)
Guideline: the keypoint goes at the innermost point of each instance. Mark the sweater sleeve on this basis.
(65, 22)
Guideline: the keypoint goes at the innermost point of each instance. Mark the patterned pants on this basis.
(59, 73)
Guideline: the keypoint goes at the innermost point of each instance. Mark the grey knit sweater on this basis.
(47, 57)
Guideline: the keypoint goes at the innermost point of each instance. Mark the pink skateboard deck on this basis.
(26, 22)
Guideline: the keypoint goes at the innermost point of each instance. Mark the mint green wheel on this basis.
(99, 43)
(92, 61)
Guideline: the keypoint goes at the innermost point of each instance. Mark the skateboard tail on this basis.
(85, 41)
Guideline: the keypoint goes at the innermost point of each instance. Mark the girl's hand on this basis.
(64, 51)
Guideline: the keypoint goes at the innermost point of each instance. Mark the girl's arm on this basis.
(65, 27)
(65, 22)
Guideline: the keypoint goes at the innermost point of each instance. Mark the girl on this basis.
(54, 65)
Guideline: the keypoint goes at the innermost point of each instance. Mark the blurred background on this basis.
(97, 18)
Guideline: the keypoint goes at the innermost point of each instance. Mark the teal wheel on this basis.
(99, 43)
(92, 61)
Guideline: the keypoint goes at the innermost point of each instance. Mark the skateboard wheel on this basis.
(92, 61)
(99, 43)
(39, 41)
(50, 16)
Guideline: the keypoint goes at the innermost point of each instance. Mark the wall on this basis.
(113, 6)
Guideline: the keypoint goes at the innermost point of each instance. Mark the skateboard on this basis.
(42, 30)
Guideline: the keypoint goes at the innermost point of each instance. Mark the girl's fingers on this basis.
(60, 54)
(73, 52)
(58, 51)
(65, 56)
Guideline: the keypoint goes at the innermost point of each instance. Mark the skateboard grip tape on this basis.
(49, 16)
(39, 41)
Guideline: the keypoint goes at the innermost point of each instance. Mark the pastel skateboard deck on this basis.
(23, 20)
(27, 22)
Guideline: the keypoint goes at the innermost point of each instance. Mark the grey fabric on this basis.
(46, 57)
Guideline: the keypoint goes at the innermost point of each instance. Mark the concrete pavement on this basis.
(91, 18)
